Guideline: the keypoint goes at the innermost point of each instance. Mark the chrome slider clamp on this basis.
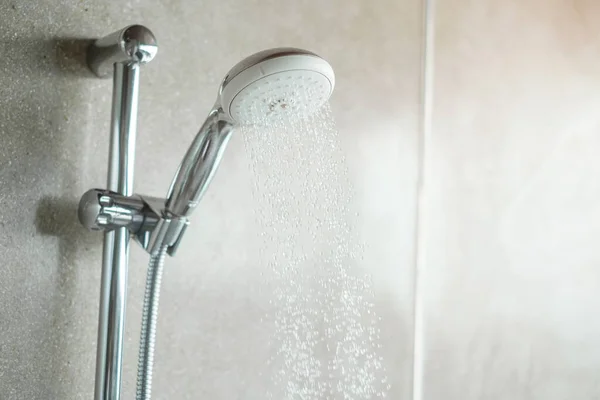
(144, 216)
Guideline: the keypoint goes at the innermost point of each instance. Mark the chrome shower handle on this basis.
(199, 164)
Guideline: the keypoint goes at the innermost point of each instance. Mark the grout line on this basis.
(427, 77)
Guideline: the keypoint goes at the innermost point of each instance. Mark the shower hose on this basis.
(148, 330)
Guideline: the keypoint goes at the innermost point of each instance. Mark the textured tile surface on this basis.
(54, 124)
(511, 279)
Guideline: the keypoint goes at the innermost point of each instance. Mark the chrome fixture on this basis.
(123, 52)
(269, 86)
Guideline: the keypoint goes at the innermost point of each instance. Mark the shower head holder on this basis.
(145, 217)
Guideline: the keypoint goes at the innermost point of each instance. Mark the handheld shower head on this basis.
(282, 83)
(276, 84)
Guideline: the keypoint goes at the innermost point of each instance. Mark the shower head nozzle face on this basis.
(277, 84)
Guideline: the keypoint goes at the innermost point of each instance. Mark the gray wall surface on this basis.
(485, 183)
(54, 124)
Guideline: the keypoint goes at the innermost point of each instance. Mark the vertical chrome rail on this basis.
(121, 52)
(116, 243)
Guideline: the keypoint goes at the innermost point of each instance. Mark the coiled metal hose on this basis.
(148, 330)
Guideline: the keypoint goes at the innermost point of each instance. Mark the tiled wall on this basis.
(502, 232)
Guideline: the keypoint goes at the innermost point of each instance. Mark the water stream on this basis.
(325, 339)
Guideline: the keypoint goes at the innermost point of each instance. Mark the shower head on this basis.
(272, 85)
(281, 83)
